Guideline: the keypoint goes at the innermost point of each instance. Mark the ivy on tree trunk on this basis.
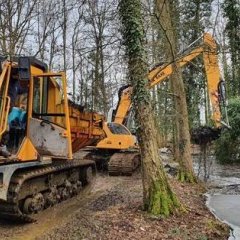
(159, 199)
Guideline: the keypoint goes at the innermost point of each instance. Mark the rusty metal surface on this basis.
(86, 127)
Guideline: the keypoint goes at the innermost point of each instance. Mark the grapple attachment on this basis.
(205, 134)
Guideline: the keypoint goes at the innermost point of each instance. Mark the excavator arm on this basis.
(208, 49)
(118, 138)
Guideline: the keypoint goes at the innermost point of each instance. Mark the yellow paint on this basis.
(208, 50)
(27, 152)
(66, 111)
(79, 126)
(116, 141)
(87, 125)
(124, 105)
(5, 106)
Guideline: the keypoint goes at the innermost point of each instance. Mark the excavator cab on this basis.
(118, 137)
(34, 116)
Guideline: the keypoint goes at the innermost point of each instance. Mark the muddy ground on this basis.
(112, 209)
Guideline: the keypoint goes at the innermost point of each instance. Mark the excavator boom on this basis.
(208, 50)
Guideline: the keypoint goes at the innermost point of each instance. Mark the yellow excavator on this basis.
(125, 158)
(40, 129)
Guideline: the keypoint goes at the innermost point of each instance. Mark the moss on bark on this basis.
(158, 196)
(162, 201)
(186, 176)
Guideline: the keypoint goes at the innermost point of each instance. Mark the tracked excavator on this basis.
(125, 158)
(40, 129)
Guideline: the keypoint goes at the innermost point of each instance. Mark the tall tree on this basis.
(15, 22)
(232, 13)
(74, 43)
(98, 19)
(165, 15)
(158, 196)
(195, 19)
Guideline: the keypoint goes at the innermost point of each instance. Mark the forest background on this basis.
(84, 39)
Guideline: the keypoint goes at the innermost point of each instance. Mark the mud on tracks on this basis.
(104, 193)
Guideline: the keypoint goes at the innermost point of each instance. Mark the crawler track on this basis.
(31, 190)
(123, 163)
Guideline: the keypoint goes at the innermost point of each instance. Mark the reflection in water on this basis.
(224, 191)
(227, 209)
(219, 175)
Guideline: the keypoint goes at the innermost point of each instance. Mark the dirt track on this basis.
(62, 213)
(111, 209)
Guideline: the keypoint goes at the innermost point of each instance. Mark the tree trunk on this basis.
(64, 29)
(157, 194)
(96, 81)
(182, 134)
(103, 87)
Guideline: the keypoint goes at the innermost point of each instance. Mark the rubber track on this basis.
(123, 163)
(10, 209)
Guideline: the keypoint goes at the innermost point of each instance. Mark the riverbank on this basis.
(227, 209)
(223, 191)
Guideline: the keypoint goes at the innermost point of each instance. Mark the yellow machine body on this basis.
(118, 137)
(39, 131)
(46, 106)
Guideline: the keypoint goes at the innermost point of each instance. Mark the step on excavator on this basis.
(123, 158)
(40, 129)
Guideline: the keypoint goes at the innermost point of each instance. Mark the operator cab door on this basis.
(47, 124)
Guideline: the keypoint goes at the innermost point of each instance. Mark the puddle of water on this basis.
(223, 198)
(219, 175)
(226, 208)
(52, 217)
(235, 235)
